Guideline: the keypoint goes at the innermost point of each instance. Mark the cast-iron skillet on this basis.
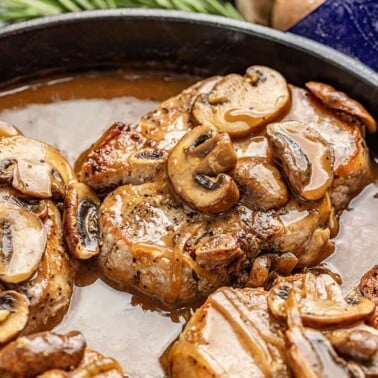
(183, 42)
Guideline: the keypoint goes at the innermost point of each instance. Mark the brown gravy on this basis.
(71, 113)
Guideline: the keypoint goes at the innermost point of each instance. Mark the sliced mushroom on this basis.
(306, 157)
(240, 105)
(320, 301)
(32, 355)
(269, 263)
(341, 102)
(34, 168)
(309, 353)
(197, 166)
(34, 205)
(358, 343)
(14, 312)
(218, 251)
(8, 130)
(23, 242)
(80, 220)
(50, 288)
(261, 184)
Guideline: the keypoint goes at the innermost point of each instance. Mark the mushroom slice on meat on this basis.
(240, 105)
(32, 355)
(14, 312)
(352, 168)
(80, 220)
(8, 130)
(196, 168)
(34, 168)
(310, 354)
(35, 205)
(49, 290)
(305, 156)
(320, 301)
(269, 264)
(342, 103)
(23, 242)
(261, 184)
(360, 343)
(230, 335)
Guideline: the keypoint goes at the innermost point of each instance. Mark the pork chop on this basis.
(136, 153)
(153, 242)
(258, 333)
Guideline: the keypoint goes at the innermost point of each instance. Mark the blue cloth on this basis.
(350, 26)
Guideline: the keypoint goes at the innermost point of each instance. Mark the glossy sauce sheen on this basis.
(71, 113)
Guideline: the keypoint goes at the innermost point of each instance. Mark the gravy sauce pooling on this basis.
(71, 113)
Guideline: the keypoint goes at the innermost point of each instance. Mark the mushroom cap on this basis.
(261, 184)
(359, 342)
(92, 365)
(34, 168)
(240, 105)
(14, 313)
(309, 353)
(24, 242)
(80, 221)
(306, 158)
(196, 168)
(319, 299)
(32, 355)
(34, 205)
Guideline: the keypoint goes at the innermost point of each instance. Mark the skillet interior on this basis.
(180, 42)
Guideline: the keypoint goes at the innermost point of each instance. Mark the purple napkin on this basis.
(350, 26)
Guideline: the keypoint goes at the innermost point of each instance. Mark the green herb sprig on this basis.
(19, 10)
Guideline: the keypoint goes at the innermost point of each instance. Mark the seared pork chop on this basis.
(155, 243)
(136, 153)
(256, 333)
(274, 192)
(231, 335)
